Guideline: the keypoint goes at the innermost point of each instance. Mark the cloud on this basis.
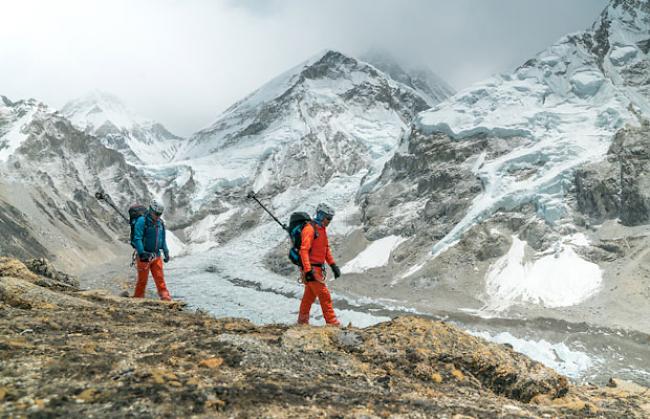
(183, 62)
(257, 7)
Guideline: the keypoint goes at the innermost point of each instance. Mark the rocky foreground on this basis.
(91, 354)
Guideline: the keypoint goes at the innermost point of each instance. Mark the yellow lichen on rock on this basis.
(87, 395)
(457, 374)
(16, 269)
(211, 363)
(308, 338)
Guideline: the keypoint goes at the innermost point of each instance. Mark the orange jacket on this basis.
(314, 250)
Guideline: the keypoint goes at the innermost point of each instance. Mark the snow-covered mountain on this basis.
(488, 177)
(421, 79)
(50, 173)
(142, 141)
(332, 114)
(331, 118)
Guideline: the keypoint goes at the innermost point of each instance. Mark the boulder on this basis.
(21, 293)
(43, 267)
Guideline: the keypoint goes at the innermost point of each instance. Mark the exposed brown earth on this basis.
(66, 352)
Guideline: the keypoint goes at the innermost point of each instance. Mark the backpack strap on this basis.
(313, 225)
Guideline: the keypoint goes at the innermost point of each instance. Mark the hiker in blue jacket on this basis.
(149, 241)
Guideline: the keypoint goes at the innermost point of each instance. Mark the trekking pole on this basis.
(251, 195)
(101, 196)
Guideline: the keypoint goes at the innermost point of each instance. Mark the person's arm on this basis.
(306, 239)
(328, 256)
(330, 261)
(138, 233)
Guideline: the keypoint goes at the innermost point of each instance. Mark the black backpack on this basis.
(135, 211)
(297, 222)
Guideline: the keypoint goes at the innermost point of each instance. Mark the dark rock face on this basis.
(16, 236)
(633, 150)
(597, 190)
(428, 187)
(618, 187)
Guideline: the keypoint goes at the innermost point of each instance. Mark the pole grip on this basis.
(105, 197)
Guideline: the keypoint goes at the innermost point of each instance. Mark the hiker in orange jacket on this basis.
(314, 252)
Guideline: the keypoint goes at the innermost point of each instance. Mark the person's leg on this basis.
(305, 305)
(141, 281)
(324, 298)
(159, 279)
(326, 305)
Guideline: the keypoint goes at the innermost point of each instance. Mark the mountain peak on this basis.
(97, 108)
(344, 113)
(105, 115)
(333, 55)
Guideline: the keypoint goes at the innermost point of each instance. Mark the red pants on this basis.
(156, 267)
(313, 290)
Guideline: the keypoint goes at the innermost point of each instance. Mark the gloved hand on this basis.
(309, 276)
(146, 256)
(167, 258)
(336, 270)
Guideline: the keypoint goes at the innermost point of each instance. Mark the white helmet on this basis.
(156, 207)
(325, 209)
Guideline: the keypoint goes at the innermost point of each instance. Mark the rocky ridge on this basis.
(48, 183)
(421, 79)
(82, 353)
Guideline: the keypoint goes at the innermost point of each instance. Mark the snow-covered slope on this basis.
(142, 141)
(499, 158)
(14, 118)
(421, 79)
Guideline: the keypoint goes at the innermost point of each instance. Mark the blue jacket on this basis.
(149, 237)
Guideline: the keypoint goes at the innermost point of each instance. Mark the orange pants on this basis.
(317, 289)
(156, 267)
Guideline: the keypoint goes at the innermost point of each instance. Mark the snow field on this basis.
(375, 255)
(553, 280)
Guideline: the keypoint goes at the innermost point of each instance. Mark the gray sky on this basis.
(183, 62)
